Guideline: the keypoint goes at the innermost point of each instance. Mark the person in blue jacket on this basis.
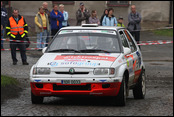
(110, 19)
(65, 14)
(56, 20)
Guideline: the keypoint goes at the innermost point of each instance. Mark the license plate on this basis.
(70, 82)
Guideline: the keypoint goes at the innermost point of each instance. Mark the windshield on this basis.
(85, 43)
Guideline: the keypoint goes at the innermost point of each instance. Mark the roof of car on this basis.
(92, 27)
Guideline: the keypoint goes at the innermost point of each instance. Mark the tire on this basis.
(36, 99)
(121, 97)
(139, 90)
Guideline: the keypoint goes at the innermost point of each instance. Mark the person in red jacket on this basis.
(17, 29)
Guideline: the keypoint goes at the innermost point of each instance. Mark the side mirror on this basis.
(43, 50)
(127, 51)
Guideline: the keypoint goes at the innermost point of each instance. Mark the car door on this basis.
(127, 57)
(135, 55)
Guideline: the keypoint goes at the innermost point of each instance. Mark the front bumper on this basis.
(58, 89)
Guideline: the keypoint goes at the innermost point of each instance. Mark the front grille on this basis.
(73, 73)
(72, 87)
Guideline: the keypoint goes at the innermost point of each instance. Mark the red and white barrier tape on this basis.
(155, 43)
(23, 41)
(26, 49)
(164, 28)
(159, 41)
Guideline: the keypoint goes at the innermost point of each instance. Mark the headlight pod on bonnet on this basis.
(104, 71)
(41, 70)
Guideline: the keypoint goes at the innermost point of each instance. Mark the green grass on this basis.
(6, 80)
(164, 32)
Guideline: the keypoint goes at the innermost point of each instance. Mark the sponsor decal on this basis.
(53, 64)
(66, 31)
(80, 63)
(75, 60)
(37, 80)
(74, 57)
(139, 58)
(102, 80)
(127, 63)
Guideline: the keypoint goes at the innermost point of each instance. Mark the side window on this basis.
(131, 42)
(123, 39)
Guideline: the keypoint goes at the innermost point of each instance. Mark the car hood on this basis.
(77, 60)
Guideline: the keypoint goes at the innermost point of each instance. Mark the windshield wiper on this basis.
(63, 50)
(94, 50)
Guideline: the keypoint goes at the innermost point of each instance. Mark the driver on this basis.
(105, 44)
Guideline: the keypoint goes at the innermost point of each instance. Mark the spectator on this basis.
(65, 15)
(93, 19)
(45, 6)
(82, 15)
(120, 22)
(1, 31)
(3, 22)
(105, 13)
(17, 29)
(134, 20)
(56, 20)
(42, 27)
(110, 19)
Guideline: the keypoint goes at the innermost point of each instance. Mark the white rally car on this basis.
(89, 60)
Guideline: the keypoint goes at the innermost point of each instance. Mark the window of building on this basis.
(64, 2)
(118, 3)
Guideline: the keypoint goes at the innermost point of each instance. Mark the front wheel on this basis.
(139, 90)
(121, 97)
(36, 99)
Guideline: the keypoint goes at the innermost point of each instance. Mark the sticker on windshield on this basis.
(65, 31)
(88, 31)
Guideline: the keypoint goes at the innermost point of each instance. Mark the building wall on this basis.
(154, 13)
(29, 8)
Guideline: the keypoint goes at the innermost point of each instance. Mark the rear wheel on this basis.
(36, 99)
(121, 97)
(139, 90)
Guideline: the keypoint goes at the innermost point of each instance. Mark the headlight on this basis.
(41, 70)
(104, 71)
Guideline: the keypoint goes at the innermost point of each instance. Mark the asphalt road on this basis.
(158, 60)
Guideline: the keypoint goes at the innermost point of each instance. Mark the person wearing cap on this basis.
(120, 22)
(82, 15)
